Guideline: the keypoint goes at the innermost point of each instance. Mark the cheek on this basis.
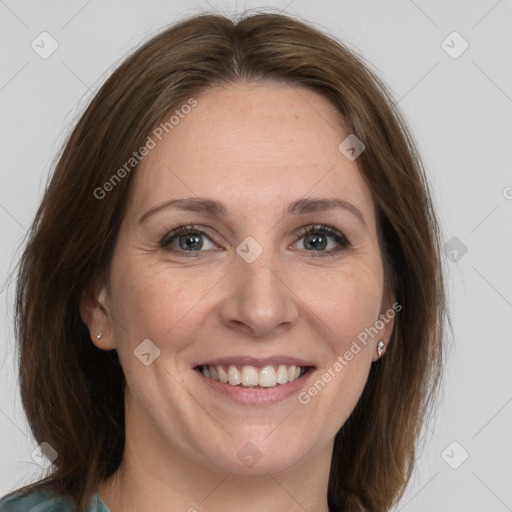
(153, 303)
(350, 306)
(347, 304)
(354, 308)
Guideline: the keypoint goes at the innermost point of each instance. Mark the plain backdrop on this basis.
(447, 62)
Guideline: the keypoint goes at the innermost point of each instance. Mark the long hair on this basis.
(73, 393)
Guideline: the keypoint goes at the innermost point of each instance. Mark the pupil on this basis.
(191, 242)
(315, 242)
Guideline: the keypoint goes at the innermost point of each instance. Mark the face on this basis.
(263, 279)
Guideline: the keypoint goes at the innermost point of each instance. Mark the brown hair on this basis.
(73, 393)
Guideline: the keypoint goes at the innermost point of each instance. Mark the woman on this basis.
(233, 287)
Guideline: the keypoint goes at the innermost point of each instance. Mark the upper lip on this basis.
(255, 361)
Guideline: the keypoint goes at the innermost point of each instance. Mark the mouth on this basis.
(251, 381)
(249, 376)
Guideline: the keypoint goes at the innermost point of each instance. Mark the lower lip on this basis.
(257, 396)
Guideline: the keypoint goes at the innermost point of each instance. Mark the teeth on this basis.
(249, 376)
(213, 373)
(282, 374)
(234, 377)
(268, 377)
(223, 376)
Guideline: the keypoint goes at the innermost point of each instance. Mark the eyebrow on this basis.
(216, 209)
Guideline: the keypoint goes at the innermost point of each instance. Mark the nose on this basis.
(260, 303)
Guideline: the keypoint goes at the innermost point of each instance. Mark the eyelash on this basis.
(340, 239)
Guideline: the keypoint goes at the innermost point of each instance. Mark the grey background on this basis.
(459, 110)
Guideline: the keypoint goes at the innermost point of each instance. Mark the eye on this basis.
(187, 239)
(320, 239)
(316, 239)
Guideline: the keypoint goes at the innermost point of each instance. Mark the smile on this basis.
(268, 376)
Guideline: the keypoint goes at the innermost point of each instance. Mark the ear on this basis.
(94, 313)
(385, 324)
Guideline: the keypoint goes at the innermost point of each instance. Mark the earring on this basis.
(380, 347)
(98, 336)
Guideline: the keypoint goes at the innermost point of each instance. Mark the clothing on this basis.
(46, 501)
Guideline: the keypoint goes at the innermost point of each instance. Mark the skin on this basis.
(255, 148)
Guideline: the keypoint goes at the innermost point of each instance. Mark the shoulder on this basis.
(45, 500)
(36, 501)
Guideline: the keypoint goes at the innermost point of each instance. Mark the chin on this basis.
(259, 455)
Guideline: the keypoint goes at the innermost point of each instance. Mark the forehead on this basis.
(268, 143)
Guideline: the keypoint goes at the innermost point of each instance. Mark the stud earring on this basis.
(98, 336)
(380, 347)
